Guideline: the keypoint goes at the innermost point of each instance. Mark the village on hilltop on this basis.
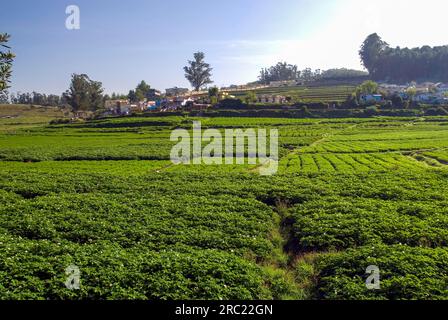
(175, 99)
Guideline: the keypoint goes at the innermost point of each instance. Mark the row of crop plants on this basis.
(346, 163)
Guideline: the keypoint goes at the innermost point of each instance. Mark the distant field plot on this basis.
(14, 117)
(310, 94)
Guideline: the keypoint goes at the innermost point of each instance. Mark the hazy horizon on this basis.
(120, 43)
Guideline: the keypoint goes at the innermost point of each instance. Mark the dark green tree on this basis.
(397, 101)
(404, 65)
(84, 94)
(371, 51)
(198, 72)
(343, 73)
(132, 97)
(96, 95)
(6, 59)
(4, 97)
(141, 91)
(282, 71)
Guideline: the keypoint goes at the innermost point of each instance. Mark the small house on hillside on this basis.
(83, 114)
(138, 107)
(371, 98)
(152, 105)
(185, 102)
(267, 98)
(109, 104)
(153, 94)
(124, 110)
(173, 104)
(116, 106)
(431, 98)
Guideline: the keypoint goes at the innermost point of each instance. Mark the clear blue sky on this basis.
(123, 42)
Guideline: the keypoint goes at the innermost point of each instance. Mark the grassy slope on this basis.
(14, 116)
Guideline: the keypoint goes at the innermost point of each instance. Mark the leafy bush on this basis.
(405, 273)
(231, 104)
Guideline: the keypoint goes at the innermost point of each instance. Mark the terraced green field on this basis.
(308, 93)
(104, 196)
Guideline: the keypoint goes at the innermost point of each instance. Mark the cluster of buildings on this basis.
(371, 98)
(125, 107)
(183, 103)
(173, 100)
(177, 98)
(269, 98)
(428, 93)
(183, 99)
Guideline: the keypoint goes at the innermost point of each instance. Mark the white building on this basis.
(368, 98)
